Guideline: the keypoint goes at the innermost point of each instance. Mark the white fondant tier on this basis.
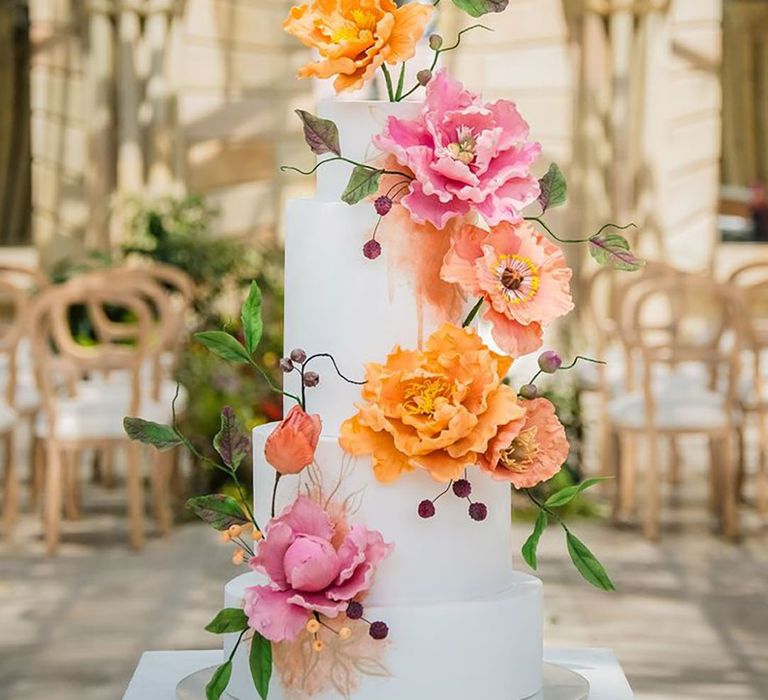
(488, 648)
(446, 558)
(338, 302)
(358, 122)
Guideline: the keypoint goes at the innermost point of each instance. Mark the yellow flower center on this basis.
(357, 21)
(464, 148)
(524, 449)
(518, 278)
(422, 398)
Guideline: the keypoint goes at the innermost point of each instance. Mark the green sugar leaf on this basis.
(321, 135)
(531, 545)
(566, 495)
(218, 684)
(612, 250)
(227, 621)
(218, 510)
(587, 564)
(224, 345)
(554, 188)
(163, 437)
(260, 661)
(253, 323)
(231, 442)
(478, 8)
(363, 183)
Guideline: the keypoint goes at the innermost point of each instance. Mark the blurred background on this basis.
(140, 193)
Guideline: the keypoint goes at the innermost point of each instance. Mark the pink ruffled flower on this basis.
(530, 450)
(522, 276)
(465, 156)
(308, 573)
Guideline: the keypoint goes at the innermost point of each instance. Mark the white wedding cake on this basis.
(463, 623)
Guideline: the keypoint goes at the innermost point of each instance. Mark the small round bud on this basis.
(225, 537)
(435, 42)
(379, 631)
(383, 205)
(529, 391)
(286, 366)
(478, 512)
(424, 77)
(298, 356)
(355, 610)
(238, 557)
(311, 379)
(318, 645)
(550, 362)
(345, 633)
(313, 626)
(372, 249)
(235, 531)
(257, 535)
(426, 509)
(462, 488)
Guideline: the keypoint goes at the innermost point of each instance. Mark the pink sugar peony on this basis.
(522, 276)
(308, 573)
(465, 156)
(530, 450)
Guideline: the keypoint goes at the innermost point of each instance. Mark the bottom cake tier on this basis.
(488, 648)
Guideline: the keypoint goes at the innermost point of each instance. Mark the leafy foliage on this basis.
(587, 564)
(227, 621)
(613, 250)
(232, 444)
(478, 8)
(218, 510)
(219, 682)
(554, 188)
(260, 661)
(321, 135)
(363, 182)
(163, 437)
(531, 546)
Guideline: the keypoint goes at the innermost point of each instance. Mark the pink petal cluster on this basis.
(307, 572)
(465, 156)
(522, 276)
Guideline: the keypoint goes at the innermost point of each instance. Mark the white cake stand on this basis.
(559, 684)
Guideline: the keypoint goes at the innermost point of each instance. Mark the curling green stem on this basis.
(547, 510)
(290, 168)
(473, 314)
(541, 222)
(278, 476)
(440, 51)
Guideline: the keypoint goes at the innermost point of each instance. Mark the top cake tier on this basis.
(358, 122)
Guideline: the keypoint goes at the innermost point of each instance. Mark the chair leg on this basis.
(628, 475)
(675, 465)
(762, 465)
(135, 496)
(37, 456)
(731, 526)
(11, 486)
(652, 488)
(108, 467)
(53, 497)
(715, 478)
(160, 475)
(70, 459)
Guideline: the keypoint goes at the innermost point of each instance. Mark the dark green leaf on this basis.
(261, 664)
(566, 495)
(163, 437)
(218, 684)
(478, 8)
(224, 345)
(231, 442)
(554, 188)
(532, 543)
(227, 621)
(587, 564)
(363, 183)
(219, 511)
(321, 135)
(612, 250)
(253, 324)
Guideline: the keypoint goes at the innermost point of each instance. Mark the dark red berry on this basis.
(383, 205)
(529, 391)
(426, 509)
(286, 365)
(550, 361)
(355, 610)
(462, 488)
(311, 379)
(299, 356)
(478, 512)
(379, 630)
(372, 249)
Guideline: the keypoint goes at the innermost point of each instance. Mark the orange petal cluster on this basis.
(436, 409)
(292, 444)
(355, 37)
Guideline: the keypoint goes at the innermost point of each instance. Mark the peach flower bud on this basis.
(313, 626)
(238, 557)
(291, 446)
(235, 531)
(224, 537)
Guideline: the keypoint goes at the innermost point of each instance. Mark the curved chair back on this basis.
(14, 303)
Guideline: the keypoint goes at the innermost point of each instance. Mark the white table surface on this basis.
(159, 672)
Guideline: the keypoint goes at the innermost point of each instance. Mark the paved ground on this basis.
(690, 619)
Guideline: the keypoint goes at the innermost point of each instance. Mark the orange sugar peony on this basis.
(436, 409)
(356, 37)
(529, 450)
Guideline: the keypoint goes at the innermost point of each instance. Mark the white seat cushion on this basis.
(677, 408)
(78, 419)
(118, 384)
